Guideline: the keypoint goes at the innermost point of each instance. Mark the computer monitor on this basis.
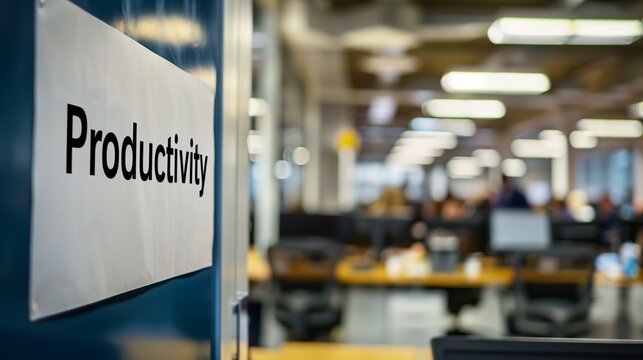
(473, 230)
(514, 230)
(305, 225)
(380, 232)
(576, 232)
(465, 348)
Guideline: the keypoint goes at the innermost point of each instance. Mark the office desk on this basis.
(258, 267)
(491, 275)
(623, 319)
(259, 272)
(377, 276)
(324, 351)
(367, 291)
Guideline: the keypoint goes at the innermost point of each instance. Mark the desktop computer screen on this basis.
(464, 348)
(309, 225)
(519, 230)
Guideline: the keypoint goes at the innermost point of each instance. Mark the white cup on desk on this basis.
(473, 266)
(394, 265)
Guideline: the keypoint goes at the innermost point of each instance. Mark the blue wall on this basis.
(180, 309)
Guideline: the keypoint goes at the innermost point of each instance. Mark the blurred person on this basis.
(511, 196)
(452, 209)
(608, 220)
(478, 205)
(391, 201)
(430, 209)
(559, 211)
(606, 210)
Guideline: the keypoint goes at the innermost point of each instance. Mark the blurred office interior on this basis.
(422, 168)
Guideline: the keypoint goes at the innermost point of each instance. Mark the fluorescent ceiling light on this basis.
(515, 30)
(382, 110)
(460, 127)
(409, 159)
(536, 148)
(552, 134)
(608, 32)
(582, 139)
(416, 149)
(550, 144)
(514, 167)
(428, 143)
(429, 139)
(495, 82)
(637, 109)
(174, 30)
(487, 157)
(614, 128)
(462, 167)
(458, 108)
(552, 31)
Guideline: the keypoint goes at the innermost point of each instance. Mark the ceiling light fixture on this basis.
(409, 159)
(489, 158)
(537, 148)
(428, 139)
(637, 109)
(514, 167)
(460, 108)
(462, 167)
(612, 128)
(606, 32)
(495, 82)
(516, 30)
(420, 149)
(560, 31)
(582, 139)
(460, 127)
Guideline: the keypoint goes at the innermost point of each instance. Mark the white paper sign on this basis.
(122, 166)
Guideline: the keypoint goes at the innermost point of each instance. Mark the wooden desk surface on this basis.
(347, 274)
(258, 267)
(334, 351)
(259, 271)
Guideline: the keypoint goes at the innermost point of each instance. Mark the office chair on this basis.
(470, 233)
(553, 291)
(306, 294)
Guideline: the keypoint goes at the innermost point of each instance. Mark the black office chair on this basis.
(469, 233)
(553, 291)
(306, 294)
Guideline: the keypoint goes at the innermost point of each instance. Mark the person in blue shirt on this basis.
(510, 196)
